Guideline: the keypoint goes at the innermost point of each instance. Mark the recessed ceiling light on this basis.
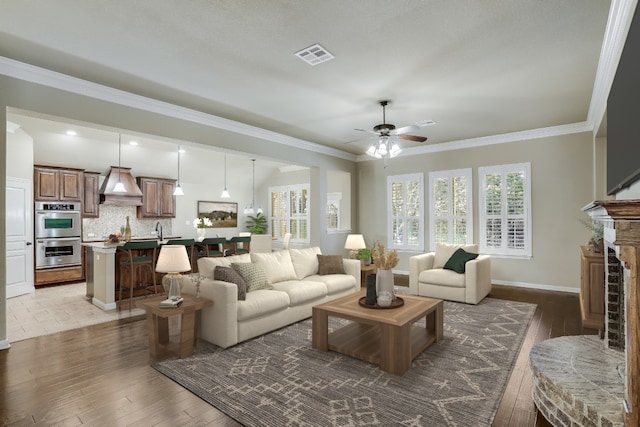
(314, 55)
(71, 132)
(133, 142)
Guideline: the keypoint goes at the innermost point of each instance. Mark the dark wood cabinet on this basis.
(52, 184)
(158, 200)
(592, 287)
(91, 200)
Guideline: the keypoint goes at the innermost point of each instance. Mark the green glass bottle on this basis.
(127, 231)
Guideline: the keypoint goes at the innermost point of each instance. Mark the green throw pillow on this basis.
(458, 260)
(253, 274)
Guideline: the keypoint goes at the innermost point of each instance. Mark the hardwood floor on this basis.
(101, 375)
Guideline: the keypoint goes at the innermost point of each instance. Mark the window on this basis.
(505, 210)
(406, 212)
(451, 207)
(289, 212)
(333, 211)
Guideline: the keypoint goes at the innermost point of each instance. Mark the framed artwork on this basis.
(221, 214)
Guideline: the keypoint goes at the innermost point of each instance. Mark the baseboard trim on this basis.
(103, 305)
(536, 286)
(4, 344)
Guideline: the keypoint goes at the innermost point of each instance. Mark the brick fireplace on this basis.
(588, 381)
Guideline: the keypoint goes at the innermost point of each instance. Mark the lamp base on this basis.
(172, 285)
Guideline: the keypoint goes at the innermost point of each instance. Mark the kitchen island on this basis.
(101, 272)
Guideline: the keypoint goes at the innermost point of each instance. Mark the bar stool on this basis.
(140, 258)
(212, 246)
(189, 245)
(241, 244)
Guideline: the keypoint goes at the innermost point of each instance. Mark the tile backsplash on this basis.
(114, 217)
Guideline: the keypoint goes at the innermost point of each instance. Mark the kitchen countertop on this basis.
(133, 238)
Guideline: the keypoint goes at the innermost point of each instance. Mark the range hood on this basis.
(133, 196)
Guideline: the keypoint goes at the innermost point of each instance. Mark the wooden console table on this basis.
(158, 322)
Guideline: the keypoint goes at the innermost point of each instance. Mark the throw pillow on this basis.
(253, 274)
(305, 261)
(445, 250)
(458, 261)
(330, 264)
(277, 264)
(228, 274)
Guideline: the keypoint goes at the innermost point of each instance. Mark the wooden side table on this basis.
(158, 322)
(365, 270)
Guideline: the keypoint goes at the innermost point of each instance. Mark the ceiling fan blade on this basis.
(413, 138)
(368, 131)
(406, 129)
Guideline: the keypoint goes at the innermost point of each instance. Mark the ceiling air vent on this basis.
(314, 55)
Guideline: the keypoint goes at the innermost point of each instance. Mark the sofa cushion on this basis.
(206, 265)
(330, 264)
(444, 252)
(305, 261)
(442, 277)
(458, 260)
(228, 274)
(261, 303)
(277, 265)
(302, 291)
(253, 274)
(335, 283)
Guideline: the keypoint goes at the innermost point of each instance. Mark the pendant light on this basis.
(225, 193)
(178, 191)
(249, 210)
(119, 188)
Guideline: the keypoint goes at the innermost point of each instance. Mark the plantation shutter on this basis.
(405, 218)
(451, 210)
(289, 212)
(505, 211)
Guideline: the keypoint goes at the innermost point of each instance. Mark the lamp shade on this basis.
(355, 242)
(173, 259)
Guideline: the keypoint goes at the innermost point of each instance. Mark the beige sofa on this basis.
(427, 277)
(297, 287)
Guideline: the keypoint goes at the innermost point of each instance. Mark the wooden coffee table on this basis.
(387, 337)
(158, 322)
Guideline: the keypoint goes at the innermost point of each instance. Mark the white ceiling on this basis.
(478, 68)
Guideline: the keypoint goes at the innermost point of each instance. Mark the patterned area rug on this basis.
(279, 380)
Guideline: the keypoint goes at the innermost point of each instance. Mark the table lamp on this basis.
(173, 260)
(354, 243)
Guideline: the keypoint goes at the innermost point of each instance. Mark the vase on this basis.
(384, 281)
(372, 296)
(201, 232)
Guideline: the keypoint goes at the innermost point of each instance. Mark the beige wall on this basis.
(562, 183)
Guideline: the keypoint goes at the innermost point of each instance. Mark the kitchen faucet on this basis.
(159, 232)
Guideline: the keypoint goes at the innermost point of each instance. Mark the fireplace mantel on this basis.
(625, 218)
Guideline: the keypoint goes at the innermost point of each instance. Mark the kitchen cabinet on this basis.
(158, 200)
(592, 287)
(52, 184)
(91, 198)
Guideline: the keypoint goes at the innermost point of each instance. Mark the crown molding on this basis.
(618, 24)
(45, 77)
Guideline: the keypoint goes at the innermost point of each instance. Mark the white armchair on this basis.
(427, 277)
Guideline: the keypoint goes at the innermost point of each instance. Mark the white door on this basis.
(19, 238)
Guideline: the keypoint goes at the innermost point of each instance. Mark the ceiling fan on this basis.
(386, 132)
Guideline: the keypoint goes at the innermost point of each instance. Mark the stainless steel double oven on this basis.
(58, 231)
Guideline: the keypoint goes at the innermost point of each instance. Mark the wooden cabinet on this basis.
(91, 199)
(52, 184)
(158, 200)
(592, 288)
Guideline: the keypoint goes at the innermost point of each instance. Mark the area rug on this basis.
(279, 380)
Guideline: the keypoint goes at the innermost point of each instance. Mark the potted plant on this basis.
(596, 242)
(365, 255)
(257, 224)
